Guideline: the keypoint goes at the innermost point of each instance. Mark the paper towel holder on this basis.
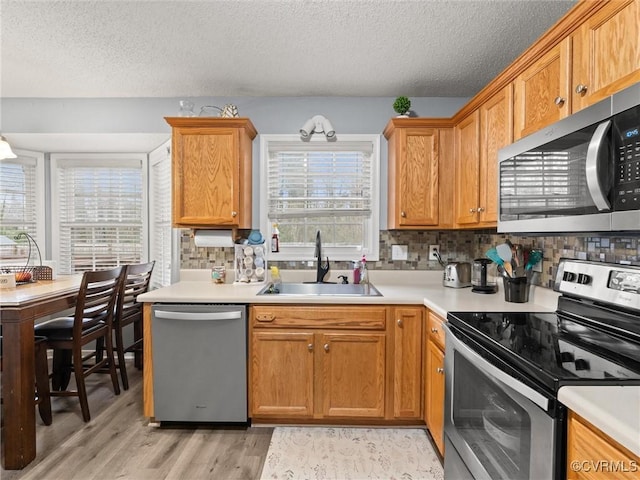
(210, 237)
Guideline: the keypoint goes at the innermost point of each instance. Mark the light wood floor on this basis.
(119, 444)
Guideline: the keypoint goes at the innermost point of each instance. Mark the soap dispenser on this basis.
(364, 275)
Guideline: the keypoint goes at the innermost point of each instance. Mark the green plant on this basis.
(402, 105)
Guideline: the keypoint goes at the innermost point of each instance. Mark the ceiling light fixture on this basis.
(317, 124)
(5, 149)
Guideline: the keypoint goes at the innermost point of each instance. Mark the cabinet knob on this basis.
(403, 214)
(310, 347)
(480, 209)
(581, 88)
(434, 330)
(234, 214)
(399, 322)
(472, 210)
(440, 370)
(326, 347)
(559, 101)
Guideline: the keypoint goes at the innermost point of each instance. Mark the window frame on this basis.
(306, 253)
(104, 159)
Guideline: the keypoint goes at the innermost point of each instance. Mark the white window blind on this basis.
(321, 186)
(100, 209)
(160, 214)
(21, 205)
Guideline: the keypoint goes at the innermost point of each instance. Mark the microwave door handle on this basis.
(594, 153)
(495, 372)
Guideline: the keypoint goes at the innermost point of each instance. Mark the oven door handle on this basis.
(493, 371)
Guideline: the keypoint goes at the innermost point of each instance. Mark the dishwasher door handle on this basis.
(198, 316)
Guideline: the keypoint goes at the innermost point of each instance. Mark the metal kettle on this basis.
(457, 275)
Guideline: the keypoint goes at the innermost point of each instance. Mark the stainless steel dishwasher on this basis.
(199, 362)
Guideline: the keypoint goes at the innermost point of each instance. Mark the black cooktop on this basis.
(554, 349)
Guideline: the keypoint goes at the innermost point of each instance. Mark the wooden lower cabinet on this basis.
(324, 364)
(407, 361)
(434, 380)
(312, 362)
(593, 455)
(352, 372)
(282, 373)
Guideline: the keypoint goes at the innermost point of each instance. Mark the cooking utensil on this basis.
(504, 250)
(534, 257)
(508, 268)
(492, 254)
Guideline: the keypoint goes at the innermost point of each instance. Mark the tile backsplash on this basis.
(459, 245)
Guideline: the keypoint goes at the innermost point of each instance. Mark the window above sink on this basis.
(331, 186)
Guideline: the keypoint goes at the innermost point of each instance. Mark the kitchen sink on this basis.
(334, 289)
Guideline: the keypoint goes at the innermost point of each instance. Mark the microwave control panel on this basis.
(627, 161)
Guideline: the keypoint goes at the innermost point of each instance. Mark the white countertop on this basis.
(613, 409)
(595, 404)
(396, 287)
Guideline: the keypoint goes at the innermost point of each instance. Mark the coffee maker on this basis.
(483, 276)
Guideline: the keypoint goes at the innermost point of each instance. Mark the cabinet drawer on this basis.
(436, 332)
(318, 316)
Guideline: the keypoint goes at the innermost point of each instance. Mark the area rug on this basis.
(321, 453)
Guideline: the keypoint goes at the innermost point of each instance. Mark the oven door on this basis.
(498, 427)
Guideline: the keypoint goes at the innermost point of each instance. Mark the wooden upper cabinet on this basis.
(467, 170)
(496, 125)
(606, 53)
(543, 91)
(211, 171)
(413, 174)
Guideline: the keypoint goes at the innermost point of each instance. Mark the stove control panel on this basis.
(611, 283)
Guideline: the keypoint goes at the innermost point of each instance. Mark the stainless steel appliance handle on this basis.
(173, 315)
(594, 152)
(495, 372)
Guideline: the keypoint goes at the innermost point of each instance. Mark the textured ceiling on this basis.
(426, 48)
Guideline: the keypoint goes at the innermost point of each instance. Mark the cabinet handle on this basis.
(581, 88)
(472, 210)
(440, 370)
(326, 347)
(434, 330)
(480, 209)
(559, 101)
(403, 214)
(310, 347)
(399, 322)
(234, 214)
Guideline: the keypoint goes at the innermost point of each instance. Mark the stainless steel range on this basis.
(504, 370)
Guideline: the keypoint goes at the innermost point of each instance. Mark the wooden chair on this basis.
(92, 321)
(42, 392)
(129, 311)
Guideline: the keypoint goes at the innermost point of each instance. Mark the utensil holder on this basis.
(516, 289)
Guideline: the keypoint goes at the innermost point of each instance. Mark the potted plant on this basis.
(402, 106)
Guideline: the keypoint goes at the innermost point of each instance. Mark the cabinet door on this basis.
(606, 53)
(467, 170)
(496, 121)
(542, 91)
(417, 190)
(353, 374)
(206, 176)
(282, 368)
(407, 375)
(435, 394)
(589, 447)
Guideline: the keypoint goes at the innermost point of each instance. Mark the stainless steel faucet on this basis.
(321, 271)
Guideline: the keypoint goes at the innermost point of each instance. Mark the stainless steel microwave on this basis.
(581, 174)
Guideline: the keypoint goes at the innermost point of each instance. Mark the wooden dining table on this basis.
(20, 307)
